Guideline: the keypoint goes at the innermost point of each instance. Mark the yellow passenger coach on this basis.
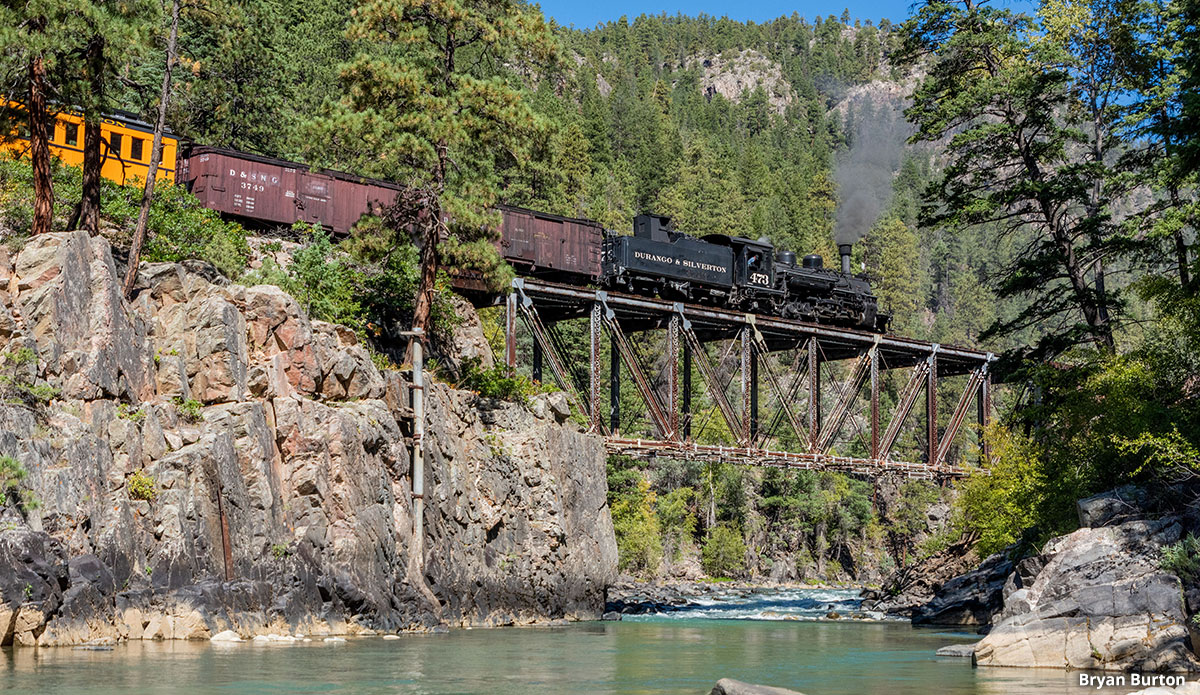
(125, 149)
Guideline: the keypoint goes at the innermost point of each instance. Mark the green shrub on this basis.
(188, 409)
(724, 552)
(1182, 559)
(323, 280)
(12, 479)
(126, 411)
(141, 486)
(677, 518)
(18, 380)
(280, 551)
(390, 275)
(180, 227)
(1001, 504)
(639, 540)
(494, 382)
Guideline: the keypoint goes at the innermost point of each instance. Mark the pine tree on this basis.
(36, 40)
(116, 37)
(703, 198)
(1022, 157)
(893, 262)
(429, 102)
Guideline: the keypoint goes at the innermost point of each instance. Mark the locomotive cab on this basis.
(753, 272)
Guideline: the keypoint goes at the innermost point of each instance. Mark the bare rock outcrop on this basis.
(731, 76)
(209, 459)
(913, 586)
(1100, 601)
(729, 686)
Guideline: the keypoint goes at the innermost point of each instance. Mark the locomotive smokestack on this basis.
(844, 249)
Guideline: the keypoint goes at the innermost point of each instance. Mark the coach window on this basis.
(114, 144)
(70, 133)
(135, 149)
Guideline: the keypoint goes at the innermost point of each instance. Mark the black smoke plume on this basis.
(865, 172)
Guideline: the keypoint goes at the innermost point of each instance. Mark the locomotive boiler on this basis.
(737, 273)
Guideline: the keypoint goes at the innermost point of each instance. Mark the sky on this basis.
(588, 13)
(585, 14)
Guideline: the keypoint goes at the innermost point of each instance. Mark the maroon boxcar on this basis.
(278, 192)
(549, 246)
(274, 191)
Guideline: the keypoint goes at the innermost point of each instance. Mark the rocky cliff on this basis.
(1099, 601)
(208, 458)
(1098, 598)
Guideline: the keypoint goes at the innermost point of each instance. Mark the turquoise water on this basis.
(651, 654)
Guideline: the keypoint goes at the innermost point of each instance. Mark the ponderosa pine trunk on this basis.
(87, 213)
(139, 232)
(39, 149)
(423, 306)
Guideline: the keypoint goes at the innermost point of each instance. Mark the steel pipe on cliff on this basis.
(418, 467)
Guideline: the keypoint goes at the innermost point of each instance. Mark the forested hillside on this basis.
(1020, 182)
(725, 126)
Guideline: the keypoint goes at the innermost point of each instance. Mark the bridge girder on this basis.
(688, 330)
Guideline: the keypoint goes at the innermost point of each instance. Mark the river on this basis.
(774, 638)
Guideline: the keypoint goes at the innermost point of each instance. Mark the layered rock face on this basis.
(215, 460)
(1099, 602)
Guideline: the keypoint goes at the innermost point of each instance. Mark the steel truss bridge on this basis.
(687, 329)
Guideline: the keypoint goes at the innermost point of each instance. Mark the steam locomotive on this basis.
(737, 273)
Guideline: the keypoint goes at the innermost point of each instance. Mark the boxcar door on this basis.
(517, 241)
(315, 190)
(293, 200)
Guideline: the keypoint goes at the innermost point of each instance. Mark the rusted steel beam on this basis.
(754, 424)
(673, 372)
(849, 392)
(960, 412)
(594, 378)
(541, 336)
(814, 392)
(908, 398)
(614, 388)
(985, 419)
(688, 451)
(747, 387)
(715, 390)
(687, 391)
(799, 371)
(784, 396)
(653, 405)
(510, 333)
(875, 358)
(931, 426)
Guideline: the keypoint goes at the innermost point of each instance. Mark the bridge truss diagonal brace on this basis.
(776, 386)
(850, 389)
(715, 388)
(656, 408)
(978, 376)
(524, 306)
(908, 399)
(596, 409)
(799, 376)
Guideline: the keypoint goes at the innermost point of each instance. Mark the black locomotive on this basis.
(737, 273)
